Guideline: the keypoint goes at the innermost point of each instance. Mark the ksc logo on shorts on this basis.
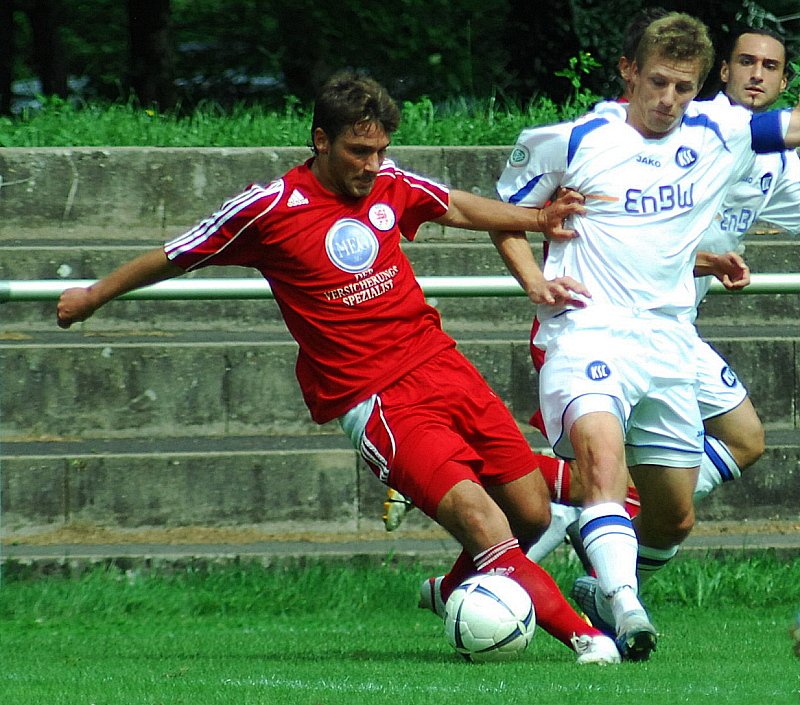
(598, 371)
(685, 157)
(351, 245)
(728, 376)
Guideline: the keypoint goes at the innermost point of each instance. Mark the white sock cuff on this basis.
(716, 466)
(650, 560)
(721, 458)
(601, 511)
(657, 554)
(601, 521)
(484, 558)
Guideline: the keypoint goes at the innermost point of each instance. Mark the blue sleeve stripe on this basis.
(525, 190)
(704, 121)
(578, 133)
(766, 131)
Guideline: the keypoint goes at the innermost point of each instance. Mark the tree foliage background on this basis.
(177, 53)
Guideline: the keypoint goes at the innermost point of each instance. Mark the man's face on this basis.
(661, 89)
(349, 164)
(756, 73)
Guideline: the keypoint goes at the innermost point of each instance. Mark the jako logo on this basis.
(598, 370)
(685, 157)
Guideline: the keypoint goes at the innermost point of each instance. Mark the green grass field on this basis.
(333, 634)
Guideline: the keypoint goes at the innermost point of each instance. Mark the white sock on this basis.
(610, 543)
(717, 466)
(651, 560)
(562, 516)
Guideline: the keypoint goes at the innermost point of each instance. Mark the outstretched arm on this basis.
(78, 303)
(473, 212)
(515, 250)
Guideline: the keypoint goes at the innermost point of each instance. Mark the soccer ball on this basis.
(489, 618)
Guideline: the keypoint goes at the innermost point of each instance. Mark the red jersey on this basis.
(346, 290)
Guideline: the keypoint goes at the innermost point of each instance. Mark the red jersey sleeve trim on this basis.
(212, 225)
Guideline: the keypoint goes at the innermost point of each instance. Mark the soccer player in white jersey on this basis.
(754, 75)
(618, 385)
(371, 351)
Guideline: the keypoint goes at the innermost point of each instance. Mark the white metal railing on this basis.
(12, 291)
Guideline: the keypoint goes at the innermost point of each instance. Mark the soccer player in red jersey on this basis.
(372, 352)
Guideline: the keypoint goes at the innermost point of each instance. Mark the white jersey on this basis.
(768, 192)
(648, 201)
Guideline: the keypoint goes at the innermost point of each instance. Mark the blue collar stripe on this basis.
(578, 133)
(705, 121)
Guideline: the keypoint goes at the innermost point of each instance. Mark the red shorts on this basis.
(439, 425)
(537, 358)
(537, 354)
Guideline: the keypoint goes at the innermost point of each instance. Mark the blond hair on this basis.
(677, 37)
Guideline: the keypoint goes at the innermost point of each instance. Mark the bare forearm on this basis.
(473, 212)
(704, 264)
(149, 268)
(78, 303)
(729, 268)
(517, 255)
(516, 252)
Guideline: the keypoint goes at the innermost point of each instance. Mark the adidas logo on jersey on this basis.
(296, 199)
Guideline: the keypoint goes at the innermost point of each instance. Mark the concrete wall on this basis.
(176, 413)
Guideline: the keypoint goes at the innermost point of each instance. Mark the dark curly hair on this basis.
(347, 100)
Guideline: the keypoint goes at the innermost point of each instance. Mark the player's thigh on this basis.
(586, 374)
(526, 503)
(741, 431)
(472, 517)
(599, 443)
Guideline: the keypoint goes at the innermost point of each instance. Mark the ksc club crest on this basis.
(598, 371)
(728, 377)
(685, 157)
(351, 245)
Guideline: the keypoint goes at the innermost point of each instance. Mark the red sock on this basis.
(463, 568)
(553, 613)
(556, 473)
(632, 503)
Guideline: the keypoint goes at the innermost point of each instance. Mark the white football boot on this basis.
(595, 650)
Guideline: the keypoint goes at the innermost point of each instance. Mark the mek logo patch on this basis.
(351, 245)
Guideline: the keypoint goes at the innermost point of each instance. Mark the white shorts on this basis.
(638, 366)
(719, 389)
